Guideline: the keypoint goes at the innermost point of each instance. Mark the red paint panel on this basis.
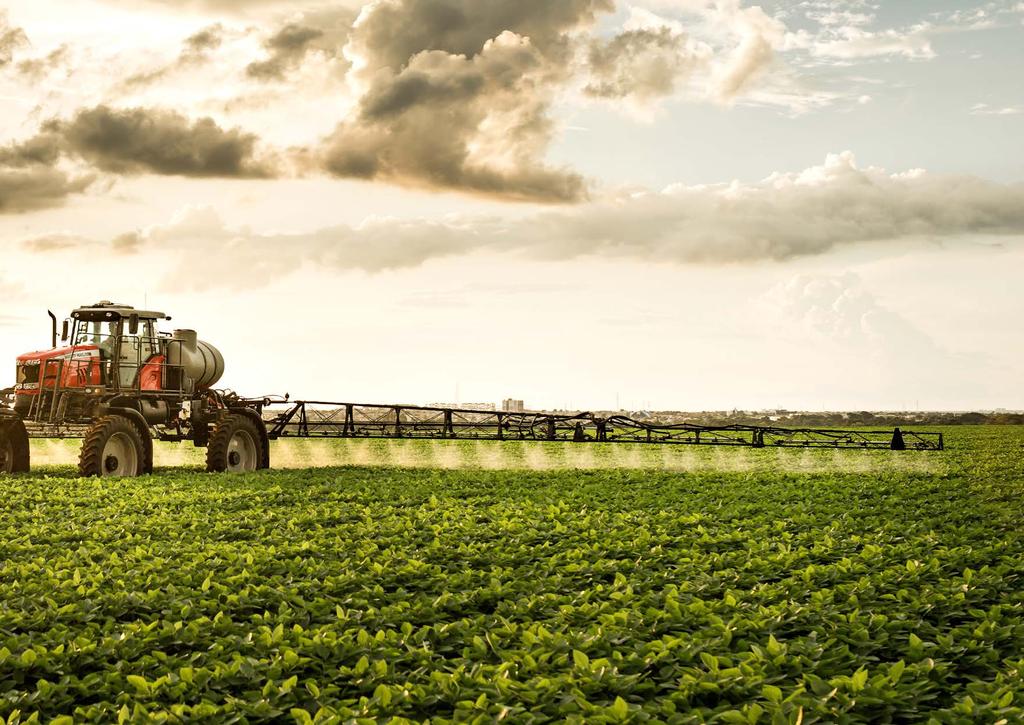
(150, 376)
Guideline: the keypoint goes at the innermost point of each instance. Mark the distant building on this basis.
(512, 406)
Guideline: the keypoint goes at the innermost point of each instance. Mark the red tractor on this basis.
(117, 382)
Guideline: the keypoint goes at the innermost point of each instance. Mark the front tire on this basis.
(14, 451)
(236, 446)
(112, 447)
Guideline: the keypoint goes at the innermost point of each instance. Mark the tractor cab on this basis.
(130, 347)
(106, 346)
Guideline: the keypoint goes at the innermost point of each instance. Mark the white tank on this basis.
(202, 363)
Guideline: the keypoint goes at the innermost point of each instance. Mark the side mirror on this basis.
(64, 332)
(133, 325)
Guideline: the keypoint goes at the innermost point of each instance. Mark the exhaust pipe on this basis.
(53, 317)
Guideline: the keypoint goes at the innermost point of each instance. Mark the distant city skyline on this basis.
(807, 205)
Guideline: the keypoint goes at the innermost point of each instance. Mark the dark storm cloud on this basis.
(29, 179)
(394, 31)
(458, 95)
(195, 50)
(35, 69)
(43, 149)
(131, 141)
(644, 63)
(286, 50)
(11, 39)
(209, 38)
(230, 7)
(323, 30)
(32, 187)
(141, 140)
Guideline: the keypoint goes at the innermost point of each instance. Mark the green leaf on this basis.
(186, 674)
(771, 693)
(709, 660)
(896, 671)
(382, 695)
(29, 657)
(859, 679)
(300, 716)
(139, 683)
(620, 708)
(580, 659)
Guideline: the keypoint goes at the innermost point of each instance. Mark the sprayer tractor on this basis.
(117, 382)
(114, 380)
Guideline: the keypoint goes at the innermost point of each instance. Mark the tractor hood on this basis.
(41, 356)
(75, 366)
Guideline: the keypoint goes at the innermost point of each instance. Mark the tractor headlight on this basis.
(28, 373)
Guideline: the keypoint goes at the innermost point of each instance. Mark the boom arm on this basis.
(308, 419)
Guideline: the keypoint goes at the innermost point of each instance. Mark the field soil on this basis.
(521, 582)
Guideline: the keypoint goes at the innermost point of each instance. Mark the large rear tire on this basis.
(14, 451)
(236, 446)
(112, 447)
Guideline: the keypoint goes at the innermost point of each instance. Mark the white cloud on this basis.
(859, 342)
(760, 36)
(852, 43)
(839, 308)
(785, 216)
(983, 109)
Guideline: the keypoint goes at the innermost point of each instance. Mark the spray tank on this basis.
(200, 362)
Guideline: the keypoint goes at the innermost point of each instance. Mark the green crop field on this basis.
(523, 583)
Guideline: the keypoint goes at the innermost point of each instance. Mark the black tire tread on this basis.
(220, 438)
(147, 448)
(19, 437)
(90, 460)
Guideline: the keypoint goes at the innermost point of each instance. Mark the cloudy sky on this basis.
(651, 203)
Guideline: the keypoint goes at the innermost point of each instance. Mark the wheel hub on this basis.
(120, 456)
(242, 452)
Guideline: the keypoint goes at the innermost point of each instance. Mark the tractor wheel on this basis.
(112, 447)
(14, 452)
(236, 446)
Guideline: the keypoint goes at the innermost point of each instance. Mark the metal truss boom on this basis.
(318, 419)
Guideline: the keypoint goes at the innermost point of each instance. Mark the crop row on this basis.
(591, 596)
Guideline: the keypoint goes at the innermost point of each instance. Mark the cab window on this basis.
(101, 334)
